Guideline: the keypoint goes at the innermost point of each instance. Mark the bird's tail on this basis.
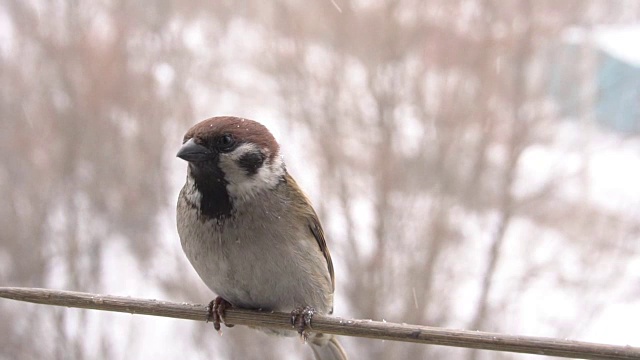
(327, 347)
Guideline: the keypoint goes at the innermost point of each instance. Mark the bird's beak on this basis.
(192, 152)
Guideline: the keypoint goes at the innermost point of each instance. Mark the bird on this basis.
(250, 232)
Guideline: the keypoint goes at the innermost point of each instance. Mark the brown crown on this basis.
(243, 130)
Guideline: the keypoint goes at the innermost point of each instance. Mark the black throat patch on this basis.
(209, 181)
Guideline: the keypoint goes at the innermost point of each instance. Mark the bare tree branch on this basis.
(326, 324)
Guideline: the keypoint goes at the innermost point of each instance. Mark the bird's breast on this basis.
(258, 258)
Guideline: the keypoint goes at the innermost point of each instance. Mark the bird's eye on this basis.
(226, 143)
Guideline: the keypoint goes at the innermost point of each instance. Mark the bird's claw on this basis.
(301, 320)
(215, 312)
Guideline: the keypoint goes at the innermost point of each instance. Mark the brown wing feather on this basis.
(318, 233)
(314, 226)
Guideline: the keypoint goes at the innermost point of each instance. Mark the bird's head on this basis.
(236, 153)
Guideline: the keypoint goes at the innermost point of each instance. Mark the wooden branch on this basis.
(331, 325)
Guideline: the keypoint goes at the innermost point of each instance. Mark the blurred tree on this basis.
(416, 117)
(84, 112)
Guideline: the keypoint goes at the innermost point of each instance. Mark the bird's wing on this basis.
(314, 225)
(318, 233)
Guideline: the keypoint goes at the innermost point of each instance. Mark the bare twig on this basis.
(331, 325)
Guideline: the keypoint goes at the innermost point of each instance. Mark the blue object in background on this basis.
(618, 94)
(617, 88)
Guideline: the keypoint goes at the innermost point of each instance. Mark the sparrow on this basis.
(250, 232)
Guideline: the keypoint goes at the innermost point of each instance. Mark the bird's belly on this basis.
(253, 272)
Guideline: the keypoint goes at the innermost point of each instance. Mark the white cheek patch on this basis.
(243, 186)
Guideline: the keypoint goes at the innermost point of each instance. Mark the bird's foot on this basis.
(301, 320)
(215, 312)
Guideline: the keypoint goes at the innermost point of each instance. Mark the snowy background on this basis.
(476, 164)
